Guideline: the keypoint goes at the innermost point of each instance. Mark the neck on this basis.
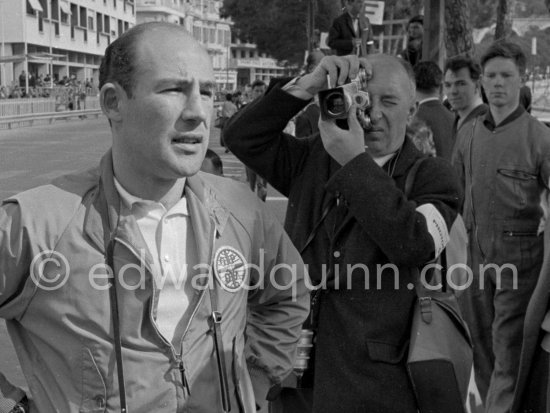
(501, 112)
(167, 192)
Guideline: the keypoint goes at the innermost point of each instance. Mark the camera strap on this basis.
(113, 298)
(218, 343)
(324, 214)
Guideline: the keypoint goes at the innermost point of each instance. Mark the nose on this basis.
(194, 108)
(375, 113)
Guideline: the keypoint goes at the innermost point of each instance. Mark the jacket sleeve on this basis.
(277, 310)
(457, 159)
(255, 135)
(12, 257)
(394, 222)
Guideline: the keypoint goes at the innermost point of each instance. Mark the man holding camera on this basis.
(349, 217)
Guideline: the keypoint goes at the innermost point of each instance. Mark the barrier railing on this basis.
(11, 107)
(8, 122)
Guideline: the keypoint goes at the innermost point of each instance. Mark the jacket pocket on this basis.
(516, 189)
(385, 352)
(94, 393)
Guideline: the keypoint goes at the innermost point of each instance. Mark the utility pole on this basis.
(310, 24)
(433, 47)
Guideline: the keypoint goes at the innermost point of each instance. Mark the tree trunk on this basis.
(505, 10)
(458, 36)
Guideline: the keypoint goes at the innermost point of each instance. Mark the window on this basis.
(33, 6)
(83, 17)
(197, 33)
(90, 23)
(55, 10)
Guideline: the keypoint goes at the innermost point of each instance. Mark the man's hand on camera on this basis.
(343, 145)
(338, 68)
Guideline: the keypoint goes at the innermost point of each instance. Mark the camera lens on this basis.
(362, 99)
(335, 104)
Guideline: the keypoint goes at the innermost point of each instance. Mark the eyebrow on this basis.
(185, 82)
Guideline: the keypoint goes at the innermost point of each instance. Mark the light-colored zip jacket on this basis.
(54, 295)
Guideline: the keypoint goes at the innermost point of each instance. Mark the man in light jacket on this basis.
(142, 285)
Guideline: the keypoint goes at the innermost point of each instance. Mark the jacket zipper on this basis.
(177, 357)
(184, 381)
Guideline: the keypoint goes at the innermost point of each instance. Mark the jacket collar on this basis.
(104, 202)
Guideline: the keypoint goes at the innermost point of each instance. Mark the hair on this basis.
(258, 83)
(119, 64)
(416, 19)
(228, 96)
(216, 161)
(506, 50)
(428, 76)
(454, 64)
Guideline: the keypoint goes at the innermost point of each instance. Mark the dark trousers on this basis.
(293, 401)
(494, 307)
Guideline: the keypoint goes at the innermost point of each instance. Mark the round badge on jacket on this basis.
(230, 268)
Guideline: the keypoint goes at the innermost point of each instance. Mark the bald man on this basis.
(348, 216)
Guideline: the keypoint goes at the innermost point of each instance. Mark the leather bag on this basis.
(440, 353)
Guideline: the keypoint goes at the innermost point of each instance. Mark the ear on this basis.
(110, 99)
(412, 111)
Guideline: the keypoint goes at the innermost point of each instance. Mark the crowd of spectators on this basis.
(45, 86)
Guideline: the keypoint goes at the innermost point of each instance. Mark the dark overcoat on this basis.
(364, 317)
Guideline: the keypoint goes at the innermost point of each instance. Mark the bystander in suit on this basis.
(351, 32)
(462, 86)
(439, 119)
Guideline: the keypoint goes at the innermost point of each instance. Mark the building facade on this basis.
(202, 19)
(69, 37)
(252, 65)
(60, 37)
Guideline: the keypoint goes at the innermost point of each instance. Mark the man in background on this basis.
(415, 33)
(437, 117)
(462, 86)
(351, 32)
(504, 165)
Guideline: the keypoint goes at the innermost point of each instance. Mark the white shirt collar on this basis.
(381, 160)
(130, 201)
(427, 100)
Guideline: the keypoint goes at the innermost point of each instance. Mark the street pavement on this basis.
(32, 156)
